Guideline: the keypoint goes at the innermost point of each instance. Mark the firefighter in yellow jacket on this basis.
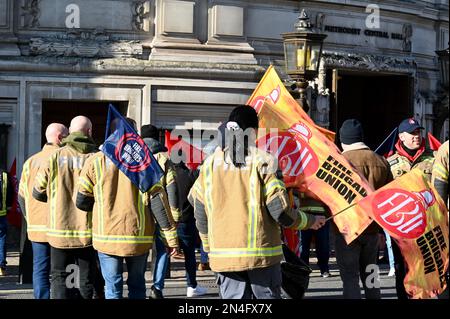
(440, 182)
(410, 152)
(123, 223)
(6, 199)
(69, 230)
(239, 201)
(440, 172)
(36, 212)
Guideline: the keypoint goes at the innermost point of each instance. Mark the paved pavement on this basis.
(319, 288)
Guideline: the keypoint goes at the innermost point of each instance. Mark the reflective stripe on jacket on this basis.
(56, 181)
(35, 212)
(4, 190)
(122, 221)
(233, 206)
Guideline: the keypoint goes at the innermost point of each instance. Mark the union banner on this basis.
(271, 88)
(417, 218)
(312, 163)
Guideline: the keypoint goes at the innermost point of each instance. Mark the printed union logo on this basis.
(295, 156)
(274, 96)
(401, 212)
(132, 154)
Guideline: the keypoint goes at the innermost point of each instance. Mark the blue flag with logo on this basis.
(387, 148)
(128, 151)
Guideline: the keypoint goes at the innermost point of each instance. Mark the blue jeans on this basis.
(203, 255)
(187, 237)
(41, 270)
(322, 246)
(112, 271)
(3, 229)
(161, 261)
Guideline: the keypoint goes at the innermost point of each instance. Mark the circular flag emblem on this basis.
(295, 156)
(131, 153)
(401, 212)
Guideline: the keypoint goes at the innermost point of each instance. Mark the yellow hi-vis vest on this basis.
(242, 235)
(122, 223)
(4, 191)
(36, 211)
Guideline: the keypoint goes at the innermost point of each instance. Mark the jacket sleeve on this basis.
(86, 183)
(196, 198)
(160, 209)
(41, 182)
(24, 195)
(277, 201)
(440, 174)
(172, 191)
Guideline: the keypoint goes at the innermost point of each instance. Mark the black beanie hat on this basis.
(351, 132)
(245, 116)
(150, 131)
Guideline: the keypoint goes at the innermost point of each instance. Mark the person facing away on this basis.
(187, 231)
(36, 212)
(123, 223)
(68, 228)
(239, 202)
(410, 152)
(353, 260)
(150, 134)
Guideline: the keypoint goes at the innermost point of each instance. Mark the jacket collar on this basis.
(402, 152)
(354, 147)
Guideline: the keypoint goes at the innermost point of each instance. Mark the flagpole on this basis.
(340, 212)
(387, 138)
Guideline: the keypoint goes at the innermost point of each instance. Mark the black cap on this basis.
(351, 132)
(409, 126)
(150, 131)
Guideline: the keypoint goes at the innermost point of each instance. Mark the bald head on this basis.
(55, 132)
(81, 124)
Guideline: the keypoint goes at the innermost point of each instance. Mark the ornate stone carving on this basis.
(320, 21)
(139, 14)
(369, 62)
(407, 35)
(77, 43)
(31, 13)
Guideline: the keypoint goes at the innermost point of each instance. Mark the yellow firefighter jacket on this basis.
(122, 222)
(35, 212)
(168, 181)
(401, 165)
(56, 181)
(440, 172)
(238, 211)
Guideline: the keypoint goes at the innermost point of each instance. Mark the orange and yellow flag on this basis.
(417, 218)
(272, 88)
(312, 163)
(307, 155)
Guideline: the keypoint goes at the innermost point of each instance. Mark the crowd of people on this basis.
(82, 210)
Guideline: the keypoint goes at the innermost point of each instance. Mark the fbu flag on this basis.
(128, 151)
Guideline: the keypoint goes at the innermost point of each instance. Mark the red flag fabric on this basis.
(193, 156)
(14, 216)
(292, 240)
(433, 142)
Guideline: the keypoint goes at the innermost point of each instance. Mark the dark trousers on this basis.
(72, 272)
(322, 246)
(259, 283)
(187, 237)
(400, 272)
(353, 260)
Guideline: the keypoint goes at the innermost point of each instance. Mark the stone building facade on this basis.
(176, 62)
